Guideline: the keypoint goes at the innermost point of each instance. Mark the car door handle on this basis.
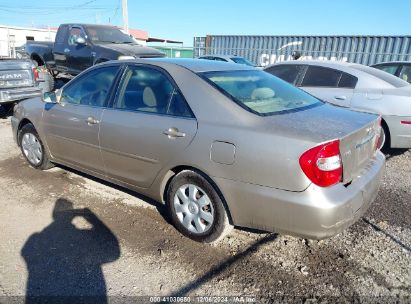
(340, 97)
(173, 133)
(66, 50)
(92, 121)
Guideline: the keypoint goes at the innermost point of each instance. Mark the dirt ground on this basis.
(67, 234)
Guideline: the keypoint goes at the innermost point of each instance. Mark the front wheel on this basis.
(196, 209)
(33, 148)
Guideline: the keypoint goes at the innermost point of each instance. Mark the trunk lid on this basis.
(357, 148)
(357, 132)
(15, 74)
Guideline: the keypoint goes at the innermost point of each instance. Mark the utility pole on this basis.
(125, 16)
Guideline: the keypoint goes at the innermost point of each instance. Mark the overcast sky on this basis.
(184, 19)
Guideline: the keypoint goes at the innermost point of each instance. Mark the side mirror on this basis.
(50, 97)
(80, 40)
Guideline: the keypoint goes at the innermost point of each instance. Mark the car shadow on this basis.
(223, 266)
(161, 208)
(390, 152)
(6, 111)
(64, 260)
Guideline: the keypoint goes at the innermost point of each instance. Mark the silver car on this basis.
(357, 87)
(220, 144)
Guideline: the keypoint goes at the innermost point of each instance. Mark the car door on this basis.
(60, 45)
(149, 124)
(79, 55)
(324, 83)
(72, 125)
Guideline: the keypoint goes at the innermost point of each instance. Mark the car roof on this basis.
(195, 65)
(317, 62)
(221, 56)
(366, 75)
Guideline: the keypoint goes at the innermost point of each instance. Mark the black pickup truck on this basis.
(79, 46)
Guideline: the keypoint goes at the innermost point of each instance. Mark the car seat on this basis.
(149, 100)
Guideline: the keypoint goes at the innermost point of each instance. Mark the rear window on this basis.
(391, 79)
(260, 93)
(387, 68)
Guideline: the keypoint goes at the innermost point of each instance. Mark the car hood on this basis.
(135, 50)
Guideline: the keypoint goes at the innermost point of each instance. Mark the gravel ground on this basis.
(70, 234)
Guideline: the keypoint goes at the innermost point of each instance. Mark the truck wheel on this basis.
(33, 148)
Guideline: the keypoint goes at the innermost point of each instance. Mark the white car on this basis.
(357, 87)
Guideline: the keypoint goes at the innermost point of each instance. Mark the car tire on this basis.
(33, 149)
(196, 209)
(385, 138)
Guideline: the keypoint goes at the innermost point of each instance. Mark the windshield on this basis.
(242, 60)
(100, 34)
(260, 92)
(391, 79)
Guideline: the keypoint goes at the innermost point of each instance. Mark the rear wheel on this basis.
(196, 209)
(385, 138)
(33, 148)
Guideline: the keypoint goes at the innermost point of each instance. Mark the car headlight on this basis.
(124, 57)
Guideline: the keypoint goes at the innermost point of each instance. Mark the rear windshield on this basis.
(384, 76)
(260, 92)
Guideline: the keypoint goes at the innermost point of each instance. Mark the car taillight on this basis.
(35, 74)
(322, 164)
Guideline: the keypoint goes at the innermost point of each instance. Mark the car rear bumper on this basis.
(400, 131)
(315, 213)
(10, 95)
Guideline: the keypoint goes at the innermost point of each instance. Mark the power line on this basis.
(116, 10)
(50, 7)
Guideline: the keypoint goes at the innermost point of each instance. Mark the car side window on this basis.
(347, 81)
(62, 34)
(92, 89)
(321, 77)
(289, 73)
(405, 73)
(145, 89)
(74, 33)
